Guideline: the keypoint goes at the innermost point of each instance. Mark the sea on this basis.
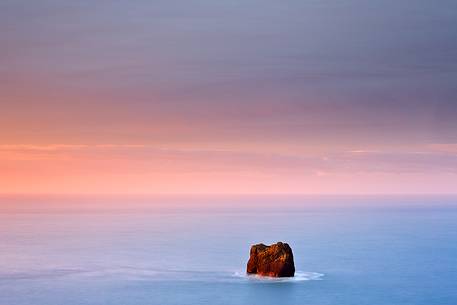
(161, 250)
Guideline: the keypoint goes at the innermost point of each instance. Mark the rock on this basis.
(276, 260)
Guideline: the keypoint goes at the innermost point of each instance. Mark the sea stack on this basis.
(276, 260)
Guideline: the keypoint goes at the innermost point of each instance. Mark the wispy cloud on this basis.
(61, 147)
(430, 159)
(444, 147)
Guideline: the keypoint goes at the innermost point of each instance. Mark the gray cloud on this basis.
(362, 71)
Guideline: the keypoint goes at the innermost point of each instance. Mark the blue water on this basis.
(377, 250)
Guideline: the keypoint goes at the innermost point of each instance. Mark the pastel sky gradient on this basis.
(230, 97)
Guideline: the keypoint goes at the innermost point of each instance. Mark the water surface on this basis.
(361, 250)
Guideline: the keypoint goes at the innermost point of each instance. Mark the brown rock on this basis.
(276, 260)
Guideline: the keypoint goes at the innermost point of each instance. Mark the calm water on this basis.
(385, 250)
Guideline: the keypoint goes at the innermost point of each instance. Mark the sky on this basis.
(228, 97)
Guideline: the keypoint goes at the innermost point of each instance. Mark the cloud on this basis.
(60, 147)
(437, 158)
(444, 147)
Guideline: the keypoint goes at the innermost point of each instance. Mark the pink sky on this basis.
(147, 169)
(227, 99)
